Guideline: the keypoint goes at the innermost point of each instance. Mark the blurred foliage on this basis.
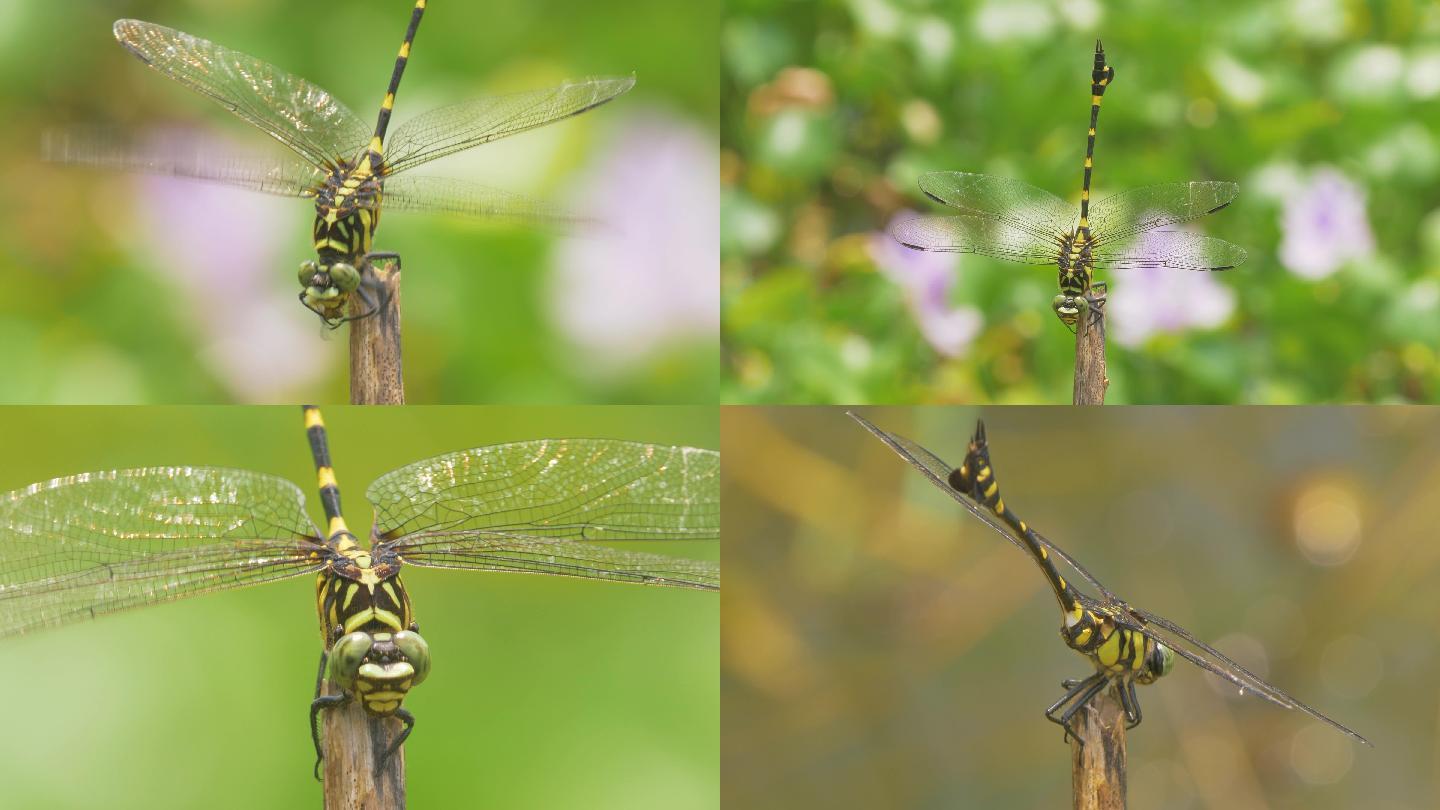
(87, 315)
(546, 691)
(882, 648)
(832, 109)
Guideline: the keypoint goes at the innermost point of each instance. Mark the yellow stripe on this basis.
(389, 101)
(1085, 192)
(1095, 100)
(312, 418)
(1088, 163)
(376, 145)
(337, 524)
(990, 492)
(326, 476)
(405, 49)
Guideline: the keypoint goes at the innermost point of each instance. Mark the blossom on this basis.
(1153, 300)
(927, 279)
(648, 274)
(1324, 225)
(224, 251)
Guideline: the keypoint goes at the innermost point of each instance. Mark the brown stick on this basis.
(354, 743)
(1097, 769)
(1090, 379)
(376, 374)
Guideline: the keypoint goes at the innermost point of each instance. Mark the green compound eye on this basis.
(346, 657)
(344, 277)
(417, 652)
(308, 269)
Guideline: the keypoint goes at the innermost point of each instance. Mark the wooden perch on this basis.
(354, 743)
(1090, 379)
(376, 373)
(1098, 766)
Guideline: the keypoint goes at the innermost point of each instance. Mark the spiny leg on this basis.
(319, 703)
(409, 720)
(1086, 691)
(371, 292)
(1130, 702)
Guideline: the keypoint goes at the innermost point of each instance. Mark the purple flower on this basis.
(1324, 225)
(228, 254)
(927, 279)
(1152, 300)
(647, 276)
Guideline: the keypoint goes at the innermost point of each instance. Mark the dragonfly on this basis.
(1127, 645)
(81, 546)
(346, 167)
(1014, 221)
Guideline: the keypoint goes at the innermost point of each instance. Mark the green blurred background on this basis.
(1323, 111)
(882, 648)
(130, 289)
(546, 692)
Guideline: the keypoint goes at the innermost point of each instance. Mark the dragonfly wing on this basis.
(973, 234)
(586, 489)
(522, 553)
(938, 471)
(450, 196)
(1120, 217)
(77, 547)
(182, 157)
(287, 108)
(1020, 206)
(470, 123)
(1197, 652)
(1175, 250)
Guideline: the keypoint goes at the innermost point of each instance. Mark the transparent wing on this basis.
(545, 507)
(938, 472)
(972, 234)
(470, 123)
(1020, 206)
(77, 547)
(1206, 657)
(287, 108)
(1119, 218)
(522, 553)
(1163, 630)
(1175, 250)
(182, 157)
(449, 196)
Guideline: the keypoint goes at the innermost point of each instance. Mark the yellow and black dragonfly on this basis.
(1017, 222)
(1126, 644)
(347, 167)
(77, 547)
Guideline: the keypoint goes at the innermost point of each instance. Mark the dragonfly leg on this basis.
(1130, 702)
(409, 720)
(1081, 693)
(321, 702)
(316, 706)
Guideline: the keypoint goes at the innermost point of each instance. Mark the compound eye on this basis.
(345, 277)
(416, 651)
(308, 269)
(346, 656)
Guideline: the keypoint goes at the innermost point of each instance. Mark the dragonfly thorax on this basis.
(1076, 265)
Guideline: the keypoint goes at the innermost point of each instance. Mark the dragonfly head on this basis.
(1069, 308)
(327, 286)
(378, 669)
(1158, 663)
